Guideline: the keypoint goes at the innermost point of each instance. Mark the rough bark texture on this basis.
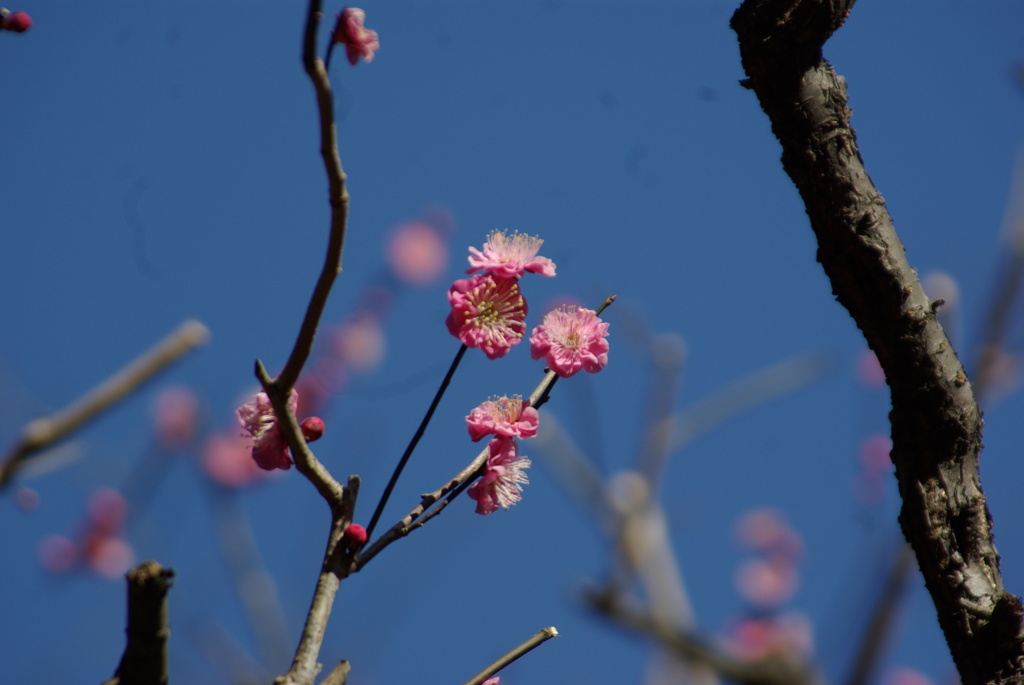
(936, 423)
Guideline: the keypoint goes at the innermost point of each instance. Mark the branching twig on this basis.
(538, 638)
(337, 565)
(936, 423)
(44, 432)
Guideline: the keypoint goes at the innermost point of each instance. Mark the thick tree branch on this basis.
(144, 661)
(936, 423)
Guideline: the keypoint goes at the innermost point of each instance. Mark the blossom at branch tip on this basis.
(570, 339)
(506, 256)
(503, 479)
(488, 313)
(358, 40)
(507, 416)
(257, 418)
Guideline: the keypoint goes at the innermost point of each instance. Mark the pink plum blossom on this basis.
(507, 416)
(569, 339)
(506, 256)
(226, 458)
(487, 313)
(269, 448)
(504, 478)
(358, 40)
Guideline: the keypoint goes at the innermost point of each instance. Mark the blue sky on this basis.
(159, 162)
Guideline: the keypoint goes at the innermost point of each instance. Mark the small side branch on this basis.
(44, 432)
(538, 638)
(144, 661)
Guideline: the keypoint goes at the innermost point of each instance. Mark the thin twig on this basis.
(43, 432)
(338, 197)
(539, 638)
(415, 440)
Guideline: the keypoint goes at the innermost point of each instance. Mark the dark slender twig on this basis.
(536, 640)
(936, 422)
(461, 480)
(42, 433)
(415, 440)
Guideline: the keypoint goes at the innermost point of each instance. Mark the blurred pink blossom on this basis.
(493, 680)
(417, 253)
(57, 553)
(766, 531)
(767, 583)
(109, 556)
(507, 256)
(360, 342)
(227, 461)
(257, 418)
(487, 313)
(789, 634)
(504, 415)
(906, 676)
(569, 339)
(869, 371)
(504, 477)
(358, 40)
(174, 415)
(107, 510)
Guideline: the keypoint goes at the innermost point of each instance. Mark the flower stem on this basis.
(415, 441)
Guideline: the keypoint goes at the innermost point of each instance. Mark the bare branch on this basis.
(45, 431)
(144, 661)
(538, 638)
(337, 195)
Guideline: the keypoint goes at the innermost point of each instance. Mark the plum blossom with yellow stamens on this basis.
(508, 416)
(502, 483)
(508, 256)
(488, 313)
(570, 339)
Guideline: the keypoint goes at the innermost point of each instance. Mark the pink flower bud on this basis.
(19, 22)
(354, 537)
(312, 428)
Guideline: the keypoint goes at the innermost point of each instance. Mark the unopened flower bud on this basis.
(19, 22)
(312, 428)
(354, 537)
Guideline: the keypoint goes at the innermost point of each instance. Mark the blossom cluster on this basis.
(506, 418)
(488, 311)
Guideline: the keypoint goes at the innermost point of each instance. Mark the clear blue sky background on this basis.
(159, 161)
